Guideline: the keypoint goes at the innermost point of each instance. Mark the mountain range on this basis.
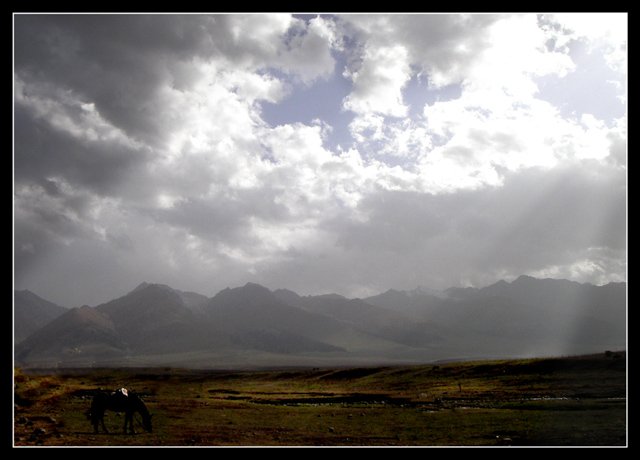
(252, 327)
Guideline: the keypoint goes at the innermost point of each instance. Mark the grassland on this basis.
(569, 401)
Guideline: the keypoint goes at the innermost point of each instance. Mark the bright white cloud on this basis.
(378, 83)
(308, 51)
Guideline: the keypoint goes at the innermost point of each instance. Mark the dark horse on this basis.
(118, 401)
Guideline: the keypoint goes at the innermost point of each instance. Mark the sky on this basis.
(321, 153)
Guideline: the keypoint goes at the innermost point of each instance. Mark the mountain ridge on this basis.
(155, 323)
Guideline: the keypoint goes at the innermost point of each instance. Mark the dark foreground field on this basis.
(578, 401)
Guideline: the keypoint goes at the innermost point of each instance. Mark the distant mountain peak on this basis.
(145, 285)
(524, 279)
(142, 285)
(287, 291)
(252, 289)
(501, 283)
(251, 285)
(250, 292)
(423, 291)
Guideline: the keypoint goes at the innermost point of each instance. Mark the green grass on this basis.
(574, 401)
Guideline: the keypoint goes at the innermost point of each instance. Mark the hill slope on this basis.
(76, 335)
(31, 313)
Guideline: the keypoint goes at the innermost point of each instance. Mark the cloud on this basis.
(146, 150)
(378, 83)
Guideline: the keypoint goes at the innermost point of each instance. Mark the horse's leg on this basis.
(103, 425)
(97, 419)
(128, 419)
(133, 431)
(92, 415)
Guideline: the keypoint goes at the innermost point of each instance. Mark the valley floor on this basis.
(576, 401)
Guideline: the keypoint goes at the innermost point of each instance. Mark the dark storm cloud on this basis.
(113, 61)
(47, 152)
(121, 62)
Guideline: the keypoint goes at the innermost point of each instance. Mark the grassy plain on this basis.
(569, 401)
